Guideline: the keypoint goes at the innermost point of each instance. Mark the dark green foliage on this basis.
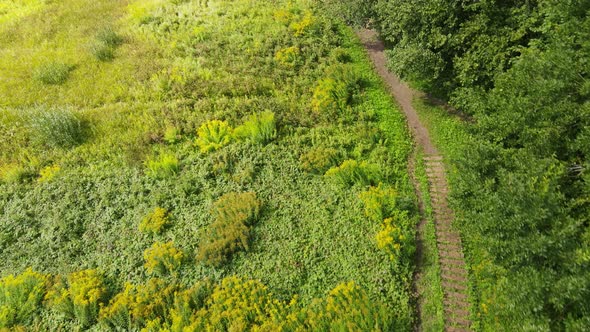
(520, 68)
(353, 12)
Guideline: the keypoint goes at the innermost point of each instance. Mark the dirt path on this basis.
(452, 264)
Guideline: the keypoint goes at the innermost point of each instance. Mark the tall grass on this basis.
(259, 128)
(53, 73)
(57, 127)
(107, 41)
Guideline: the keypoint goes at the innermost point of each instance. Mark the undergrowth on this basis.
(153, 167)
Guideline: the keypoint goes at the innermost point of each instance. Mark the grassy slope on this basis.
(217, 63)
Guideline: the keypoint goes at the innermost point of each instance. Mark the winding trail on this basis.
(451, 259)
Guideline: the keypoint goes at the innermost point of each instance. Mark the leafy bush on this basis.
(162, 258)
(237, 208)
(53, 73)
(390, 239)
(353, 12)
(164, 166)
(318, 160)
(395, 238)
(238, 304)
(341, 55)
(187, 302)
(154, 221)
(230, 231)
(55, 127)
(349, 308)
(213, 135)
(379, 202)
(171, 135)
(335, 91)
(288, 57)
(329, 95)
(222, 241)
(48, 173)
(351, 172)
(81, 298)
(20, 297)
(137, 305)
(259, 128)
(305, 24)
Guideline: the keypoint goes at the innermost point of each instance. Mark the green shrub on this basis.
(109, 37)
(53, 73)
(102, 52)
(349, 308)
(162, 258)
(236, 208)
(213, 135)
(163, 166)
(259, 128)
(222, 241)
(55, 127)
(351, 172)
(20, 297)
(238, 304)
(107, 41)
(230, 231)
(154, 221)
(394, 237)
(341, 55)
(379, 202)
(335, 91)
(137, 305)
(187, 302)
(171, 135)
(318, 160)
(81, 298)
(48, 173)
(288, 57)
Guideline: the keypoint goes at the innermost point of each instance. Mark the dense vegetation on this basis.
(520, 70)
(220, 165)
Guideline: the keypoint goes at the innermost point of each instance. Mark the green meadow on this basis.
(198, 165)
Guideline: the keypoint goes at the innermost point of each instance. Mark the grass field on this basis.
(204, 148)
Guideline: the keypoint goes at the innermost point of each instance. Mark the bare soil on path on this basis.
(451, 259)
